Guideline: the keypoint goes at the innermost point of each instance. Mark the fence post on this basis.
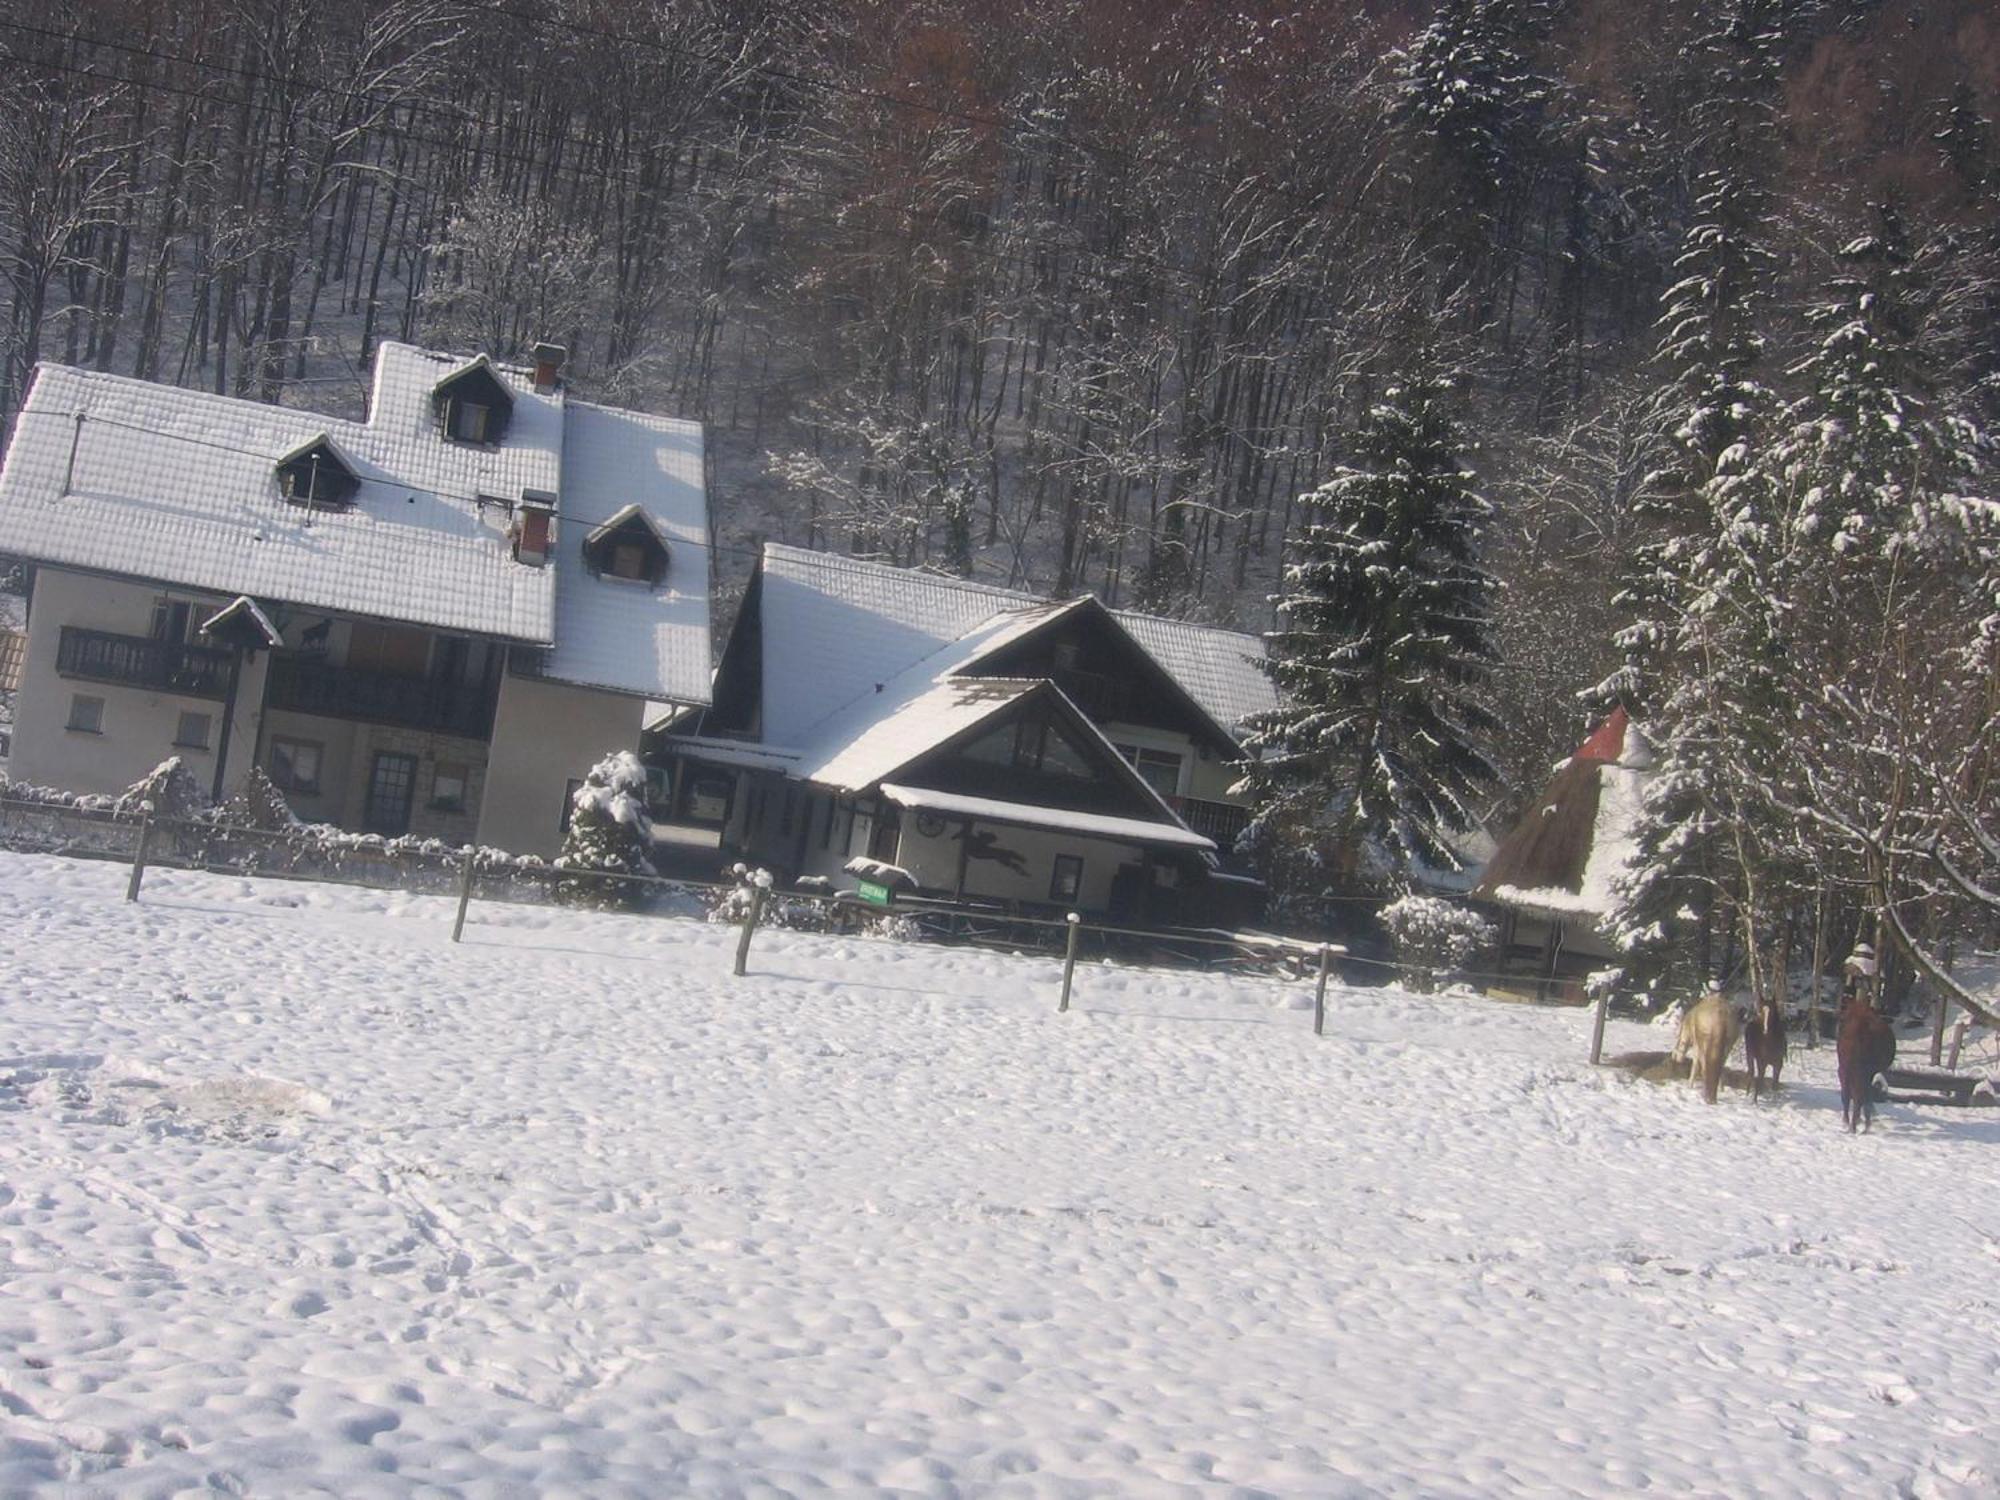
(1069, 960)
(464, 894)
(749, 926)
(139, 857)
(1597, 1024)
(1319, 990)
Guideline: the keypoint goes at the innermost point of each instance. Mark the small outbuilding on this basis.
(1550, 879)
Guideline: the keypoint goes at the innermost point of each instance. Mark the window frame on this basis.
(181, 740)
(455, 770)
(76, 702)
(1074, 892)
(288, 780)
(455, 407)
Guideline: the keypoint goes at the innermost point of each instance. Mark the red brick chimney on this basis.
(548, 367)
(534, 527)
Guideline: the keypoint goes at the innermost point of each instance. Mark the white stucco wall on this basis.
(934, 861)
(138, 726)
(546, 734)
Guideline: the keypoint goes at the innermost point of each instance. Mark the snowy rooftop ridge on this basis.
(836, 628)
(135, 479)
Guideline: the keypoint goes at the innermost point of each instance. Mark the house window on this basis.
(315, 476)
(192, 732)
(86, 713)
(1061, 756)
(1159, 769)
(1067, 880)
(393, 650)
(174, 620)
(659, 792)
(627, 546)
(468, 421)
(295, 765)
(448, 783)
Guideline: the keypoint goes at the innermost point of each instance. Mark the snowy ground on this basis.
(296, 1198)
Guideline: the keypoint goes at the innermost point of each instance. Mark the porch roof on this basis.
(1027, 815)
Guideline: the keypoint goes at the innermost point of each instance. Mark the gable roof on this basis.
(610, 635)
(835, 627)
(934, 702)
(131, 478)
(1575, 839)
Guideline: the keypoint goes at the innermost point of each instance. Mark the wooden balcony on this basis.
(309, 685)
(140, 661)
(1221, 821)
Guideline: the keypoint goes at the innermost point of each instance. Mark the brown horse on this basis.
(1865, 1048)
(1764, 1045)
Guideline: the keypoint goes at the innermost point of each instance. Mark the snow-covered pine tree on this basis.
(1382, 658)
(1704, 644)
(609, 834)
(1893, 570)
(1465, 82)
(1869, 456)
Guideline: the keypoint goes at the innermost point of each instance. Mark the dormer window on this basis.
(315, 475)
(473, 404)
(627, 546)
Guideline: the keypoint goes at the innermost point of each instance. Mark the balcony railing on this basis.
(1221, 821)
(308, 685)
(142, 662)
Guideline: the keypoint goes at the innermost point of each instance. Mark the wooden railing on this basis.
(1221, 821)
(308, 685)
(140, 661)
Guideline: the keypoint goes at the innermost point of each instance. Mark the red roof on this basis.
(1607, 741)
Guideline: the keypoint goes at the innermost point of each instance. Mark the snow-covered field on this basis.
(297, 1198)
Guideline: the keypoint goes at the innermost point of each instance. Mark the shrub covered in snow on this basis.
(1433, 937)
(731, 904)
(609, 834)
(169, 790)
(257, 803)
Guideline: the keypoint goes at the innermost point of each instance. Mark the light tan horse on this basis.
(1709, 1032)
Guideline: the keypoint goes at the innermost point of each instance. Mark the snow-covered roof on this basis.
(617, 633)
(141, 480)
(835, 628)
(1101, 825)
(1576, 877)
(742, 753)
(245, 608)
(877, 737)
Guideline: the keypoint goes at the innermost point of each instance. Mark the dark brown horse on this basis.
(1764, 1045)
(1866, 1047)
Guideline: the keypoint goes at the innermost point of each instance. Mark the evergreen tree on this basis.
(1382, 658)
(1465, 82)
(1705, 648)
(609, 834)
(1869, 457)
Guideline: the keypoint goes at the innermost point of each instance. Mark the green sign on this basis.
(873, 894)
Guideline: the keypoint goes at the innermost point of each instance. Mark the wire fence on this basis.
(115, 830)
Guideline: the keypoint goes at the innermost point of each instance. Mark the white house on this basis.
(1000, 748)
(433, 620)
